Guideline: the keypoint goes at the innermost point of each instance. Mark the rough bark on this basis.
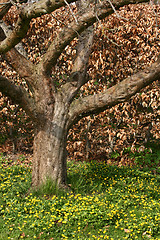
(50, 146)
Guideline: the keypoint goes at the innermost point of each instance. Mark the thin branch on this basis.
(5, 3)
(71, 11)
(99, 21)
(112, 41)
(13, 3)
(67, 26)
(117, 14)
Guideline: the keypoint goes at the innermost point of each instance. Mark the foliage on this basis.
(147, 158)
(107, 202)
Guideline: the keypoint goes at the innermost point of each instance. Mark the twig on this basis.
(117, 14)
(66, 25)
(13, 3)
(71, 11)
(112, 41)
(99, 21)
(156, 16)
(5, 3)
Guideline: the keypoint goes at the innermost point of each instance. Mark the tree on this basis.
(54, 110)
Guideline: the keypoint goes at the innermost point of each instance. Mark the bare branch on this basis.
(68, 34)
(79, 76)
(4, 9)
(16, 36)
(47, 6)
(78, 35)
(117, 94)
(23, 66)
(117, 14)
(83, 53)
(71, 11)
(83, 49)
(26, 14)
(4, 3)
(18, 95)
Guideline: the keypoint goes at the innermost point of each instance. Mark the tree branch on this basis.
(117, 94)
(69, 33)
(5, 9)
(43, 7)
(15, 59)
(79, 76)
(22, 66)
(28, 12)
(17, 95)
(83, 48)
(83, 53)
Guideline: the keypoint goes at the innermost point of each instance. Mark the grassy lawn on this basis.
(106, 202)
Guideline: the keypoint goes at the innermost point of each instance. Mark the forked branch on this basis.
(68, 34)
(15, 59)
(47, 6)
(26, 13)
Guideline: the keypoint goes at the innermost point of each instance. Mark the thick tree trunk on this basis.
(49, 157)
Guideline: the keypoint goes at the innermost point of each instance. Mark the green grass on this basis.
(106, 202)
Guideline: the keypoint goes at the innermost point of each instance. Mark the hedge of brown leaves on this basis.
(122, 46)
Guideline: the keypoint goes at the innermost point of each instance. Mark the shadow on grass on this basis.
(97, 177)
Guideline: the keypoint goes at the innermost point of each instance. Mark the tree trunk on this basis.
(49, 152)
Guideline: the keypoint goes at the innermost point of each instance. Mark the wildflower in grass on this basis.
(72, 211)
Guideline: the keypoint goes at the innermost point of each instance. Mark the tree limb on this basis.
(117, 94)
(43, 7)
(17, 95)
(79, 76)
(83, 53)
(5, 9)
(68, 34)
(15, 59)
(22, 66)
(28, 12)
